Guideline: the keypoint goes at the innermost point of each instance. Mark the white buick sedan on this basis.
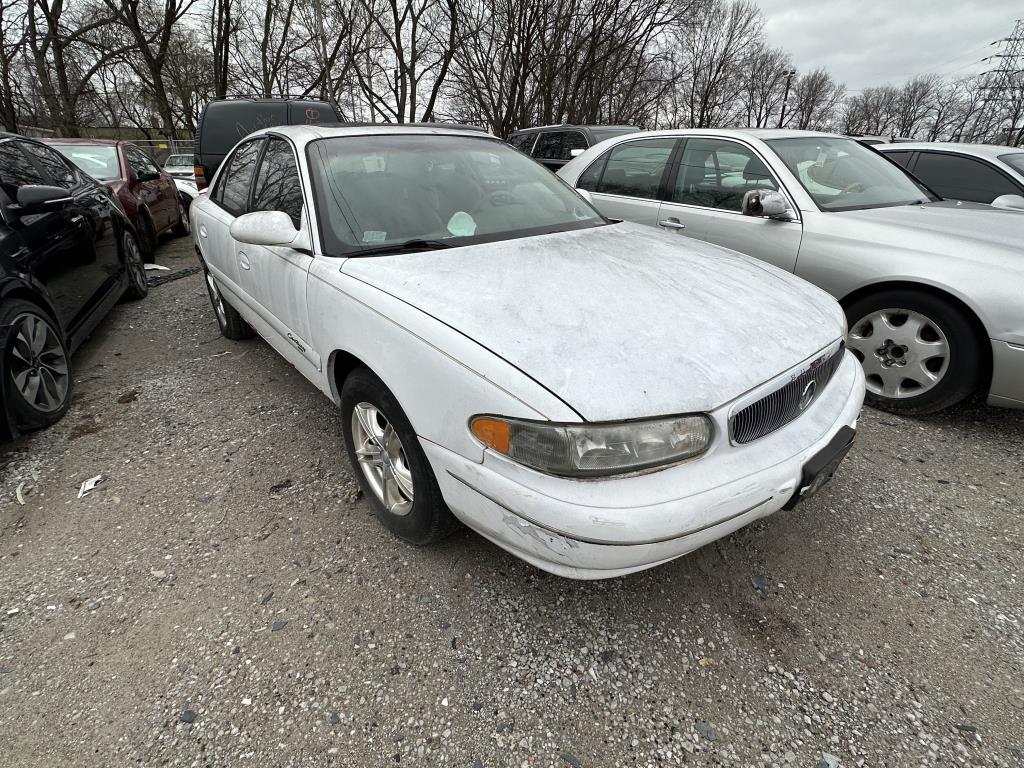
(595, 397)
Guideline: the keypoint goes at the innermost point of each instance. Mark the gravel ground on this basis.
(226, 598)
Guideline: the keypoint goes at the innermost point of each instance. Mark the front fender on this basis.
(439, 376)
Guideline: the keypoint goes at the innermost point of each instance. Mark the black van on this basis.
(225, 122)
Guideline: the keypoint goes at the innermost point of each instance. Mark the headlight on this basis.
(592, 450)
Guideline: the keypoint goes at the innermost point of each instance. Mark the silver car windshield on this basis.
(376, 191)
(98, 161)
(843, 175)
(1014, 160)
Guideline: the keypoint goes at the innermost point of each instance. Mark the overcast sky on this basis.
(865, 42)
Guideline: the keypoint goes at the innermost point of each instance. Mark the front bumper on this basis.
(1007, 389)
(592, 529)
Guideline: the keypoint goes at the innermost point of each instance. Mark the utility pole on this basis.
(1003, 88)
(790, 74)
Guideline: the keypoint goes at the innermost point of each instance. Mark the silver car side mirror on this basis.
(585, 195)
(270, 228)
(764, 202)
(576, 152)
(1009, 202)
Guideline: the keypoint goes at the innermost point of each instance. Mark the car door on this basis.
(274, 277)
(60, 245)
(962, 178)
(706, 194)
(230, 198)
(626, 181)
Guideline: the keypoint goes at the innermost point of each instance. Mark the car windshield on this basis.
(376, 191)
(1014, 160)
(175, 161)
(97, 160)
(843, 175)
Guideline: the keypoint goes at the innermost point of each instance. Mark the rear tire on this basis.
(389, 462)
(147, 237)
(183, 227)
(920, 353)
(37, 381)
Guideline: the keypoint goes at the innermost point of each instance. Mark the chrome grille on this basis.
(777, 409)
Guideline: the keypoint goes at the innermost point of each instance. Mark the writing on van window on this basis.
(262, 120)
(312, 115)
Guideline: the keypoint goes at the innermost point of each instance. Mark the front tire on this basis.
(389, 462)
(232, 325)
(920, 353)
(37, 369)
(138, 285)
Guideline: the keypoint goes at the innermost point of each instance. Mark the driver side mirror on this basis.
(585, 195)
(766, 203)
(40, 198)
(270, 228)
(147, 176)
(1009, 202)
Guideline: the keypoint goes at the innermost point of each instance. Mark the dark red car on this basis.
(147, 193)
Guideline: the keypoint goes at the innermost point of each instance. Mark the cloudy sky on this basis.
(865, 42)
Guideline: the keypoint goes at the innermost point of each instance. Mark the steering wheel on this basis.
(854, 188)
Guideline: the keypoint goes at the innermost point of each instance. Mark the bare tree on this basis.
(764, 75)
(816, 97)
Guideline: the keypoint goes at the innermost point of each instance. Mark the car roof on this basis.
(303, 134)
(573, 125)
(95, 142)
(990, 151)
(764, 134)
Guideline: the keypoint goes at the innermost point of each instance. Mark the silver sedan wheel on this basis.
(382, 459)
(186, 225)
(39, 367)
(136, 265)
(903, 352)
(217, 300)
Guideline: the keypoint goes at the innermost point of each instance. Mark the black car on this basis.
(67, 254)
(556, 145)
(225, 122)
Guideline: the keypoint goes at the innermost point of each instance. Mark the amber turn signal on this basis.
(494, 433)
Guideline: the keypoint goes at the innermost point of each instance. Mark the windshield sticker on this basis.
(461, 224)
(374, 236)
(374, 163)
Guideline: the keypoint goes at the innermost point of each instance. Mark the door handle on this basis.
(243, 260)
(671, 223)
(202, 230)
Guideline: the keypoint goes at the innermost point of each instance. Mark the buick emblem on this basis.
(808, 394)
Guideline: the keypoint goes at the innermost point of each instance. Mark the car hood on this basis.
(619, 321)
(940, 227)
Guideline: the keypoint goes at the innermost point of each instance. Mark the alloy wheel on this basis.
(38, 364)
(186, 225)
(382, 458)
(136, 264)
(904, 353)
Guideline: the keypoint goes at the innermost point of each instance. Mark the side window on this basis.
(277, 186)
(716, 173)
(233, 188)
(53, 164)
(549, 146)
(16, 170)
(635, 168)
(573, 140)
(901, 158)
(138, 162)
(589, 178)
(523, 142)
(962, 178)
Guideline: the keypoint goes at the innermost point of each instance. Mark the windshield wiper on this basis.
(409, 246)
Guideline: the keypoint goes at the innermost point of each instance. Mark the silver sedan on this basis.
(932, 289)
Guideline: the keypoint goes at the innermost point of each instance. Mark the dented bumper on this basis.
(592, 529)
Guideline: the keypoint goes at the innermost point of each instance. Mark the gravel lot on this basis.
(226, 598)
